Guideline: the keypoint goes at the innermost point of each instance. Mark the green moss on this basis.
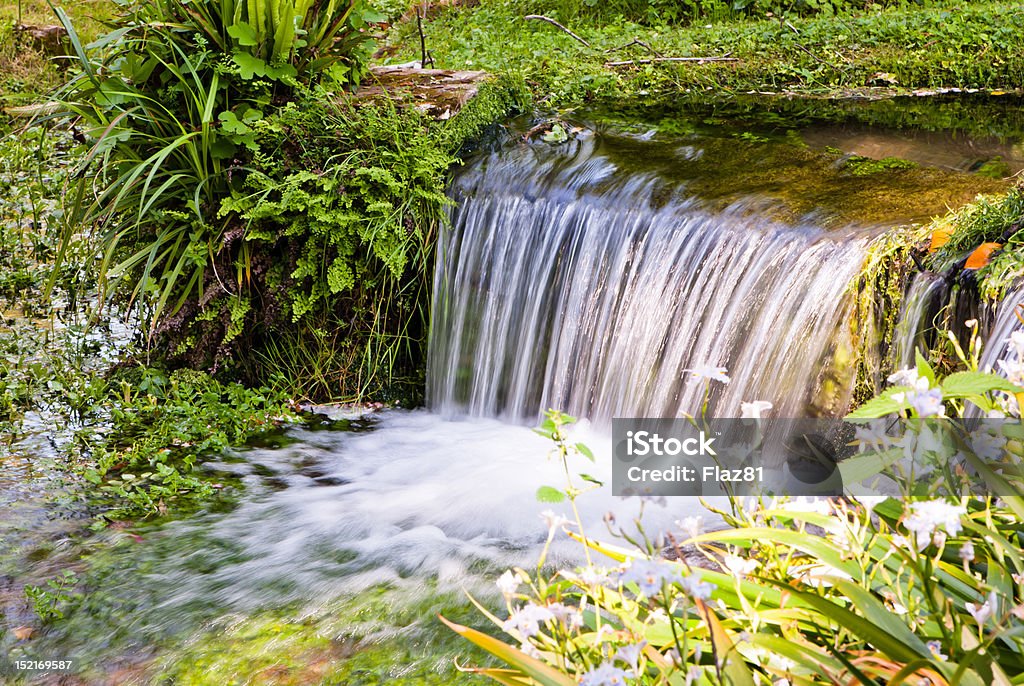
(878, 292)
(383, 635)
(865, 166)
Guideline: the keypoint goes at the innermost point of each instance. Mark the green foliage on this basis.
(862, 590)
(159, 426)
(943, 44)
(656, 12)
(171, 98)
(50, 602)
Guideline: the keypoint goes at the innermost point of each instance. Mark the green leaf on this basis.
(864, 629)
(963, 384)
(585, 451)
(591, 479)
(243, 33)
(249, 66)
(924, 369)
(547, 494)
(881, 405)
(531, 667)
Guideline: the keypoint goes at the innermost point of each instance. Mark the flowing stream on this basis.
(591, 277)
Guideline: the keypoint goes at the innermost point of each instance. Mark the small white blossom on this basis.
(929, 516)
(592, 576)
(526, 620)
(693, 674)
(739, 566)
(753, 410)
(710, 373)
(691, 526)
(1012, 369)
(605, 675)
(967, 552)
(987, 445)
(631, 655)
(553, 521)
(569, 616)
(907, 376)
(1016, 344)
(870, 502)
(982, 612)
(508, 583)
(649, 575)
(935, 648)
(695, 588)
(872, 436)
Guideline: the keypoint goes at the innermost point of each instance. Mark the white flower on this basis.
(691, 526)
(1016, 344)
(508, 583)
(907, 376)
(592, 576)
(649, 575)
(927, 402)
(989, 446)
(870, 502)
(693, 674)
(936, 649)
(631, 655)
(569, 616)
(709, 372)
(526, 620)
(982, 612)
(605, 675)
(929, 516)
(1013, 369)
(553, 521)
(739, 566)
(695, 588)
(967, 552)
(872, 436)
(753, 410)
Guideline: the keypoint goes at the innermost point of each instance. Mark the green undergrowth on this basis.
(992, 219)
(383, 635)
(941, 45)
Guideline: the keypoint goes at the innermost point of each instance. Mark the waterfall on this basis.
(915, 328)
(1006, 322)
(566, 282)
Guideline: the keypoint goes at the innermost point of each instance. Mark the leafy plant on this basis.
(866, 590)
(170, 99)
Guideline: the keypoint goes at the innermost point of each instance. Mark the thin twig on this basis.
(636, 41)
(541, 17)
(426, 58)
(701, 60)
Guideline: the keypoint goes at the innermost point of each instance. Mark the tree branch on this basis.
(551, 21)
(700, 60)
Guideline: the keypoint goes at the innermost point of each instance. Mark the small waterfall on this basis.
(915, 328)
(566, 282)
(1007, 321)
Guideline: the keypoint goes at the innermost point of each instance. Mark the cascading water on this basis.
(566, 283)
(1007, 321)
(914, 328)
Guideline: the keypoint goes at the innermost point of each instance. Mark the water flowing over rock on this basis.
(566, 282)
